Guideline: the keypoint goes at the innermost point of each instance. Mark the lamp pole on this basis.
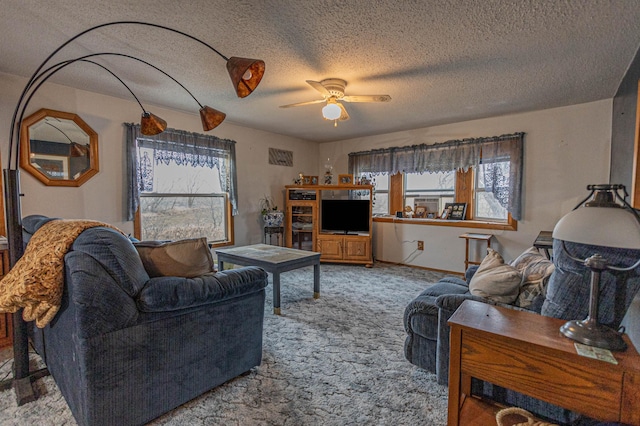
(245, 75)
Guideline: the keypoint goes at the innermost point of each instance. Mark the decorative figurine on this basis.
(328, 175)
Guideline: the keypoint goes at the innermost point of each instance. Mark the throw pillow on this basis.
(496, 280)
(183, 258)
(536, 270)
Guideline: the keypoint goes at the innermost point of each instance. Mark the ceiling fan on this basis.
(332, 90)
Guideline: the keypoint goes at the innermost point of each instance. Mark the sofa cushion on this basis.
(183, 258)
(163, 294)
(536, 270)
(496, 280)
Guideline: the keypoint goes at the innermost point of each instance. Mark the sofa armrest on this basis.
(451, 302)
(470, 272)
(162, 294)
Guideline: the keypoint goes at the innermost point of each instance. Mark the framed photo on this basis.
(53, 166)
(313, 180)
(456, 211)
(345, 179)
(445, 213)
(420, 211)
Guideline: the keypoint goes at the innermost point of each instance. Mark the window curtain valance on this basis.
(454, 155)
(182, 147)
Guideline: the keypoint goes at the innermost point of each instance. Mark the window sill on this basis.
(506, 226)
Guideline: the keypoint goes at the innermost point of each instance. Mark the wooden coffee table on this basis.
(273, 259)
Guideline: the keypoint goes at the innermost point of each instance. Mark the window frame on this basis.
(137, 220)
(476, 190)
(406, 193)
(229, 231)
(464, 193)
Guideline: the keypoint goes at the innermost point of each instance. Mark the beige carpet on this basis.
(337, 360)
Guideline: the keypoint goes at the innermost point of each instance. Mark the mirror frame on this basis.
(25, 148)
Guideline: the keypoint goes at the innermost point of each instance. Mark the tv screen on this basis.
(345, 216)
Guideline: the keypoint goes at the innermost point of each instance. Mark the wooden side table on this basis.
(270, 231)
(472, 236)
(544, 243)
(525, 352)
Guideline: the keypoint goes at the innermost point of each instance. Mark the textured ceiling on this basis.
(441, 62)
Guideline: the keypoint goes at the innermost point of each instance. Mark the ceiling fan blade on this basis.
(366, 98)
(303, 103)
(344, 116)
(319, 87)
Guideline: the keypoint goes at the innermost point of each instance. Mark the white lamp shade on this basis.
(331, 111)
(600, 226)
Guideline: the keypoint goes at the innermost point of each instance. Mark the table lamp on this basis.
(603, 218)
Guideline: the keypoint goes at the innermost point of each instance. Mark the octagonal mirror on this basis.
(58, 148)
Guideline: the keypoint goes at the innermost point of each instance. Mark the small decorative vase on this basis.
(273, 218)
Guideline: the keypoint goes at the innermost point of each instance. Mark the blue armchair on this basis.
(567, 297)
(125, 348)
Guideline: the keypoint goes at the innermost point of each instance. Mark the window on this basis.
(182, 201)
(431, 175)
(486, 204)
(380, 193)
(181, 185)
(446, 187)
(431, 190)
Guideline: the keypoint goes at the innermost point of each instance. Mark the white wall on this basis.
(565, 150)
(103, 196)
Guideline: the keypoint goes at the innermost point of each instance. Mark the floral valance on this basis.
(453, 155)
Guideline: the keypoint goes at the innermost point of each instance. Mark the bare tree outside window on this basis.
(184, 201)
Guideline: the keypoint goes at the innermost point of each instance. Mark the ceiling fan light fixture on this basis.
(245, 74)
(331, 111)
(211, 117)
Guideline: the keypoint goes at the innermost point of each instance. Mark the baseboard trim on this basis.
(443, 271)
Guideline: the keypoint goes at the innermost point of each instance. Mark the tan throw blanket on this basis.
(36, 281)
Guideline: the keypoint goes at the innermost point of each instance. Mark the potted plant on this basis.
(271, 216)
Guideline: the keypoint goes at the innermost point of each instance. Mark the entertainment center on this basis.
(334, 220)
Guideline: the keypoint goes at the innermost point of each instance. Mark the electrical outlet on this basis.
(420, 245)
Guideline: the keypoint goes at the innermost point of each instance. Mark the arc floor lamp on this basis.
(245, 75)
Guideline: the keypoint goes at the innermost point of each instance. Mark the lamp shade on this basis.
(211, 117)
(600, 226)
(245, 74)
(151, 124)
(331, 111)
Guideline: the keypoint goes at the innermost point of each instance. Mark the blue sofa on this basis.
(567, 297)
(126, 348)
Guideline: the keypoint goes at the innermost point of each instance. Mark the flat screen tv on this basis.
(345, 216)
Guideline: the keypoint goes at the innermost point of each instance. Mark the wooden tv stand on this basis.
(303, 227)
(525, 352)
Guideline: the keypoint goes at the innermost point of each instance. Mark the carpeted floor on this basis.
(337, 360)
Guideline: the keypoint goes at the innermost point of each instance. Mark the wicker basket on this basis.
(515, 412)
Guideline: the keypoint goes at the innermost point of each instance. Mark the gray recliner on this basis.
(567, 297)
